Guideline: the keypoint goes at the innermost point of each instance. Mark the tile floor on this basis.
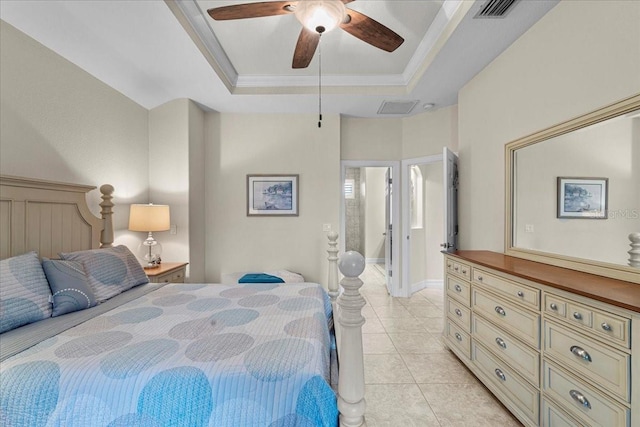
(411, 379)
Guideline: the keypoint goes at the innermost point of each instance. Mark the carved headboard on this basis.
(51, 217)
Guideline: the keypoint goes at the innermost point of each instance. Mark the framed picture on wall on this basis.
(272, 195)
(582, 197)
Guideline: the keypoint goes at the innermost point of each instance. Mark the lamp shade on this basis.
(149, 218)
(324, 14)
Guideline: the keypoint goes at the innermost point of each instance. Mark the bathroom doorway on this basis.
(368, 212)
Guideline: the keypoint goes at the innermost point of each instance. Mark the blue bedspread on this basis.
(184, 355)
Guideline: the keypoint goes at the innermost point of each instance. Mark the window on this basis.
(348, 189)
(417, 202)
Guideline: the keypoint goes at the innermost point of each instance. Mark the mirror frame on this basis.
(615, 271)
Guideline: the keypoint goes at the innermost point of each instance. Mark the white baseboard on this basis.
(374, 260)
(424, 284)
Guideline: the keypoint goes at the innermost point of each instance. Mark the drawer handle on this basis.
(458, 288)
(606, 326)
(520, 294)
(480, 278)
(580, 352)
(448, 265)
(577, 316)
(500, 374)
(579, 397)
(553, 306)
(501, 342)
(464, 271)
(456, 268)
(458, 337)
(500, 311)
(458, 312)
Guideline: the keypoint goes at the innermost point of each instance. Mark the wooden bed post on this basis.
(351, 403)
(332, 285)
(106, 235)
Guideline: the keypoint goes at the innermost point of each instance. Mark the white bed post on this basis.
(106, 235)
(634, 253)
(351, 403)
(332, 284)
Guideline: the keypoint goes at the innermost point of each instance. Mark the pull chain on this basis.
(320, 78)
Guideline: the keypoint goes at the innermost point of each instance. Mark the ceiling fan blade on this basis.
(371, 31)
(347, 1)
(305, 48)
(252, 10)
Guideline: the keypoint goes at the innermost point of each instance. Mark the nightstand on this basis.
(168, 272)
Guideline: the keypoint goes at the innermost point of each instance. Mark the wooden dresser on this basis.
(558, 347)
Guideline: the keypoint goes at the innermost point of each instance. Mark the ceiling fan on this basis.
(317, 17)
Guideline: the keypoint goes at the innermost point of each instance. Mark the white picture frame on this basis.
(584, 198)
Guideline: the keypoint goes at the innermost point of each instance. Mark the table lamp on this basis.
(149, 218)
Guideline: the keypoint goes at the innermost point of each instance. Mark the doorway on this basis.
(423, 216)
(368, 212)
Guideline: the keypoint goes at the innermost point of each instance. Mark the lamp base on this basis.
(151, 266)
(149, 252)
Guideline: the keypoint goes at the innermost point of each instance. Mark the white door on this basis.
(388, 220)
(450, 200)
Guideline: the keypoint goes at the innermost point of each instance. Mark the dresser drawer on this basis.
(520, 322)
(177, 277)
(605, 366)
(582, 401)
(459, 314)
(553, 416)
(555, 306)
(578, 315)
(459, 289)
(458, 338)
(458, 268)
(521, 357)
(616, 328)
(611, 327)
(511, 290)
(520, 392)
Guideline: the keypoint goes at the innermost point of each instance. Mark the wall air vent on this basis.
(495, 9)
(397, 107)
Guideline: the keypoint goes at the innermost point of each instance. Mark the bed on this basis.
(154, 354)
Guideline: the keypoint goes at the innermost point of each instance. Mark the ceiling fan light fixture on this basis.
(320, 16)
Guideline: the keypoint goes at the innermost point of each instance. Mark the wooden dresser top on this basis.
(616, 292)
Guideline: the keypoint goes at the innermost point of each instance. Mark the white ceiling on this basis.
(154, 51)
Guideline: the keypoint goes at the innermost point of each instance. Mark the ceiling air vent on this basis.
(397, 107)
(495, 8)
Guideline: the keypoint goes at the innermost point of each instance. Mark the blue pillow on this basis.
(110, 270)
(70, 289)
(260, 278)
(24, 294)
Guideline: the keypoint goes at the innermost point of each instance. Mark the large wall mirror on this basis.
(573, 192)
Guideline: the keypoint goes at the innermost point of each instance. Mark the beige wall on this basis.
(176, 178)
(425, 134)
(197, 194)
(241, 144)
(581, 56)
(57, 122)
(370, 139)
(374, 217)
